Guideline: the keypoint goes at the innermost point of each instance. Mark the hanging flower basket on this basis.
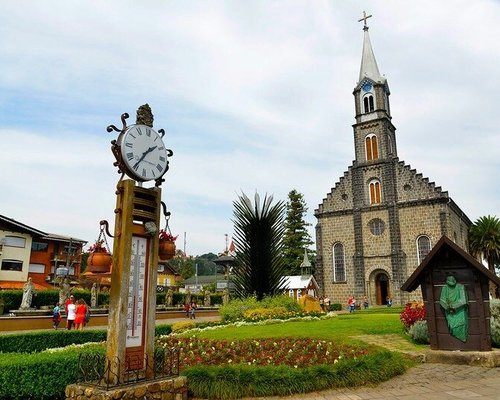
(166, 245)
(99, 260)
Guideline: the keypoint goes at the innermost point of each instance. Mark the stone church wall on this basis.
(414, 222)
(333, 230)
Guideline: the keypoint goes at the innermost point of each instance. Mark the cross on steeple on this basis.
(365, 17)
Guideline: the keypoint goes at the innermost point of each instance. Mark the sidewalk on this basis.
(425, 381)
(429, 381)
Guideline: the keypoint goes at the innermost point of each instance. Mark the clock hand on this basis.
(144, 156)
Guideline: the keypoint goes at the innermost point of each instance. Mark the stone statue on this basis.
(454, 301)
(225, 296)
(65, 290)
(187, 298)
(144, 115)
(28, 291)
(206, 299)
(93, 296)
(169, 298)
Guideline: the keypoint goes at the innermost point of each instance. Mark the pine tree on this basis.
(297, 237)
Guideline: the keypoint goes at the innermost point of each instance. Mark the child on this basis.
(56, 316)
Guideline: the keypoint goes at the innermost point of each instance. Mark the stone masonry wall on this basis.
(337, 229)
(164, 389)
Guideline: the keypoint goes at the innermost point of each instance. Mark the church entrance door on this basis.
(381, 288)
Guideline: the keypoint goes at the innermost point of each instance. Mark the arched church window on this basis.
(371, 146)
(338, 263)
(368, 103)
(423, 247)
(374, 192)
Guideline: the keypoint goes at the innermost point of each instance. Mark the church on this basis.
(382, 217)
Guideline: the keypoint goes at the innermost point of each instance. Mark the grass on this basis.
(238, 380)
(338, 328)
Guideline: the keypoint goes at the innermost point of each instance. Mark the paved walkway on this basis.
(429, 381)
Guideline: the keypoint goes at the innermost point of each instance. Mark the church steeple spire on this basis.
(369, 68)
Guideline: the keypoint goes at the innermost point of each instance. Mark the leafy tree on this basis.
(484, 240)
(205, 263)
(259, 229)
(296, 237)
(185, 265)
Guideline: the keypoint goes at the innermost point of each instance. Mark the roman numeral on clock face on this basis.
(128, 144)
(130, 156)
(144, 172)
(159, 168)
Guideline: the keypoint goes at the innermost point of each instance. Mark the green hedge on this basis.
(34, 342)
(41, 375)
(45, 375)
(232, 382)
(12, 298)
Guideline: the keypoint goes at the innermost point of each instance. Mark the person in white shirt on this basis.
(70, 313)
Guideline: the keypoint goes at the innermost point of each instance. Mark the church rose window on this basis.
(338, 263)
(377, 226)
(423, 247)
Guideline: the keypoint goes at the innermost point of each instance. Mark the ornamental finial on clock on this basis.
(144, 115)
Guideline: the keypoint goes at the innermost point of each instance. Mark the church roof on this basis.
(369, 68)
(297, 281)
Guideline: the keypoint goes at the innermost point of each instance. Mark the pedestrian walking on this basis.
(70, 313)
(56, 316)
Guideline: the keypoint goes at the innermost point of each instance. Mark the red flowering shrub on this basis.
(412, 313)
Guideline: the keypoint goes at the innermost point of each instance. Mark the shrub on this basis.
(335, 307)
(420, 332)
(37, 341)
(33, 342)
(236, 381)
(495, 322)
(259, 314)
(412, 313)
(183, 325)
(235, 310)
(41, 375)
(12, 299)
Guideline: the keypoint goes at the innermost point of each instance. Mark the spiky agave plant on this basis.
(259, 267)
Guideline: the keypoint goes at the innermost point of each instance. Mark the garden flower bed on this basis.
(293, 352)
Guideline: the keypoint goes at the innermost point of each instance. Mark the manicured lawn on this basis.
(338, 328)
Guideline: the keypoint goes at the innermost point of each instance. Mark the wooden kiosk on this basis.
(445, 260)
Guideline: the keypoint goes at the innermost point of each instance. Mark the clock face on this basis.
(367, 86)
(143, 153)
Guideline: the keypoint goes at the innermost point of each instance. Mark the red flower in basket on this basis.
(166, 249)
(98, 247)
(167, 236)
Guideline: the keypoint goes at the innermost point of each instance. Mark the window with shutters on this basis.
(374, 192)
(371, 147)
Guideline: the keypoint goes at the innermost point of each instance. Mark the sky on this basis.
(254, 96)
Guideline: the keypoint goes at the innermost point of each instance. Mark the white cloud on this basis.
(253, 96)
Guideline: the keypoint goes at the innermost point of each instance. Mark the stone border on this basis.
(161, 389)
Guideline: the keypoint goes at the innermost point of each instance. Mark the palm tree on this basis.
(259, 267)
(484, 241)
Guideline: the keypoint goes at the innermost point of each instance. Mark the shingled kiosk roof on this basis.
(445, 244)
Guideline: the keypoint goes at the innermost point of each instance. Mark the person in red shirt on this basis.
(81, 309)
